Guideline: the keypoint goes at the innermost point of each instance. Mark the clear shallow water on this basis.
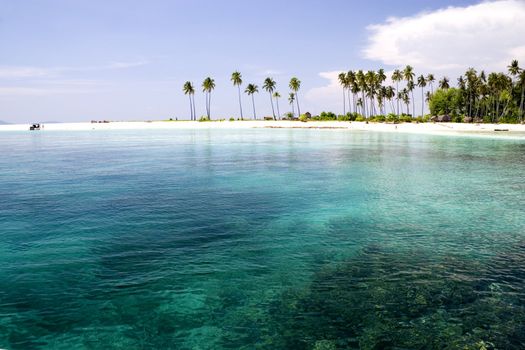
(225, 239)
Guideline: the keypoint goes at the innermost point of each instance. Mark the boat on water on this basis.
(34, 127)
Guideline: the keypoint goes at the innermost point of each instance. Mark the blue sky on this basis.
(76, 60)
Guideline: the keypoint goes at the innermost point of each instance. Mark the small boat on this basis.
(34, 127)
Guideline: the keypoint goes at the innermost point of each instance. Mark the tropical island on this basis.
(478, 97)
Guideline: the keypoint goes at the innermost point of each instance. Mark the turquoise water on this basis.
(261, 239)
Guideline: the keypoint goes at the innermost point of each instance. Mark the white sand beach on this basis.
(421, 128)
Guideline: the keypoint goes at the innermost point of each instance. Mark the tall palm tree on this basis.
(408, 74)
(430, 80)
(277, 96)
(250, 90)
(406, 99)
(237, 81)
(269, 86)
(444, 83)
(522, 84)
(295, 85)
(291, 100)
(353, 88)
(390, 94)
(517, 72)
(207, 87)
(190, 91)
(397, 76)
(421, 82)
(344, 83)
(361, 83)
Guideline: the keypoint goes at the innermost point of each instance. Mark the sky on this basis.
(78, 60)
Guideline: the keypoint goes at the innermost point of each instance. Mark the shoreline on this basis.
(514, 130)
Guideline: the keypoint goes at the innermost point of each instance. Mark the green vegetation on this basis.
(496, 98)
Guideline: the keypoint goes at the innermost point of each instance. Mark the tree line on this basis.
(269, 85)
(478, 97)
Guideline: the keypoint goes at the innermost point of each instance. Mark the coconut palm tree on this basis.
(361, 83)
(521, 83)
(250, 90)
(444, 83)
(291, 100)
(408, 74)
(397, 76)
(190, 91)
(344, 83)
(390, 94)
(207, 87)
(269, 86)
(406, 99)
(517, 72)
(277, 96)
(237, 81)
(295, 85)
(353, 88)
(430, 80)
(421, 82)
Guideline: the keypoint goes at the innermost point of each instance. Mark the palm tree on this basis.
(269, 86)
(390, 94)
(291, 100)
(361, 83)
(517, 72)
(430, 81)
(397, 76)
(207, 86)
(352, 87)
(190, 91)
(421, 82)
(406, 99)
(250, 90)
(295, 85)
(443, 83)
(522, 84)
(277, 96)
(408, 74)
(344, 83)
(237, 81)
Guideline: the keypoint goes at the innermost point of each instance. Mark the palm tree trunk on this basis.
(240, 103)
(194, 112)
(397, 97)
(521, 101)
(293, 109)
(191, 108)
(344, 101)
(209, 106)
(278, 111)
(273, 110)
(253, 104)
(297, 100)
(413, 103)
(422, 102)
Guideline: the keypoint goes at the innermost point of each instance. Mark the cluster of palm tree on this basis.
(495, 96)
(269, 85)
(368, 95)
(477, 96)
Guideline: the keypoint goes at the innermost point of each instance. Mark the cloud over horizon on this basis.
(483, 36)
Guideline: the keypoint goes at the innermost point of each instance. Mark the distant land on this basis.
(4, 123)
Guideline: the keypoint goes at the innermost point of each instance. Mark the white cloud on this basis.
(484, 36)
(24, 72)
(16, 72)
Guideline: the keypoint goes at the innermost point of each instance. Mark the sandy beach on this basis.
(421, 128)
